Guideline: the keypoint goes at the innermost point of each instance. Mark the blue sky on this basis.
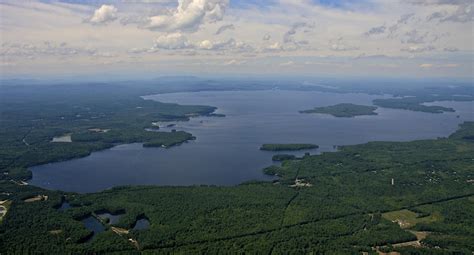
(410, 38)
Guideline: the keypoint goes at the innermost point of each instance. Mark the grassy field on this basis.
(407, 219)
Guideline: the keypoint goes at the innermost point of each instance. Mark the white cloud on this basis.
(429, 66)
(178, 41)
(274, 47)
(415, 37)
(437, 2)
(408, 34)
(188, 15)
(376, 30)
(451, 49)
(342, 47)
(103, 15)
(230, 44)
(402, 21)
(224, 28)
(288, 37)
(173, 41)
(463, 14)
(289, 63)
(426, 65)
(45, 48)
(234, 62)
(418, 49)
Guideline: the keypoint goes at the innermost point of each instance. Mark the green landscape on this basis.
(338, 201)
(287, 147)
(319, 127)
(344, 110)
(95, 117)
(411, 197)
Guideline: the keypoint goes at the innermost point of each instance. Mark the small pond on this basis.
(142, 223)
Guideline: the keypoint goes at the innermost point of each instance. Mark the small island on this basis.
(287, 147)
(344, 110)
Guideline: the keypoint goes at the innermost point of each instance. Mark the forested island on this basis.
(411, 197)
(344, 110)
(415, 103)
(287, 146)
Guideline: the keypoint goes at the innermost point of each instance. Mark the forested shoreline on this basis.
(355, 200)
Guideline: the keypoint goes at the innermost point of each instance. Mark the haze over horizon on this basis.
(405, 38)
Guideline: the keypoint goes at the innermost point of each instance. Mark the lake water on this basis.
(92, 224)
(64, 206)
(226, 151)
(112, 218)
(141, 224)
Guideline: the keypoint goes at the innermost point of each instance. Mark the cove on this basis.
(226, 151)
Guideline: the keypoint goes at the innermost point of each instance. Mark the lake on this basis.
(226, 151)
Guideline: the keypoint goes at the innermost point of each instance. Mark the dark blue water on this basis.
(113, 218)
(64, 206)
(93, 225)
(226, 151)
(141, 224)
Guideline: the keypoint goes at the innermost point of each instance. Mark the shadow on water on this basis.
(94, 225)
(64, 206)
(109, 217)
(142, 223)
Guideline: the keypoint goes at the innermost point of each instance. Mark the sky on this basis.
(146, 38)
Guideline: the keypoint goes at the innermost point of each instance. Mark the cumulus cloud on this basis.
(178, 41)
(437, 2)
(173, 41)
(288, 36)
(376, 30)
(274, 47)
(46, 48)
(230, 44)
(451, 49)
(224, 28)
(188, 16)
(103, 15)
(403, 20)
(418, 49)
(234, 62)
(428, 66)
(463, 14)
(436, 15)
(142, 50)
(342, 47)
(414, 37)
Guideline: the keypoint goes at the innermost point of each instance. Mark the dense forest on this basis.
(412, 197)
(95, 117)
(344, 110)
(344, 208)
(287, 146)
